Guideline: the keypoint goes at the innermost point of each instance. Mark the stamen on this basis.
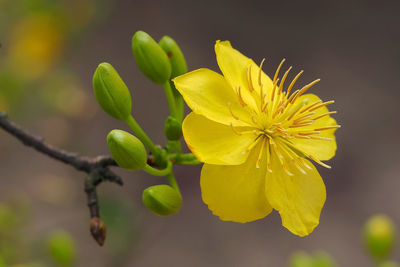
(322, 105)
(295, 109)
(249, 79)
(292, 96)
(309, 133)
(253, 120)
(298, 167)
(264, 109)
(321, 138)
(230, 110)
(260, 155)
(277, 70)
(328, 128)
(273, 90)
(319, 162)
(325, 114)
(311, 106)
(268, 158)
(304, 89)
(302, 118)
(239, 93)
(261, 97)
(234, 130)
(300, 125)
(293, 82)
(253, 144)
(286, 170)
(305, 163)
(301, 137)
(260, 71)
(283, 80)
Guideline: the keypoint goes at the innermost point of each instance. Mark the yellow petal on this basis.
(298, 198)
(207, 93)
(216, 143)
(236, 193)
(234, 66)
(321, 149)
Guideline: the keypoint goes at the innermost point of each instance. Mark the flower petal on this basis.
(207, 93)
(298, 198)
(234, 66)
(236, 193)
(216, 143)
(321, 149)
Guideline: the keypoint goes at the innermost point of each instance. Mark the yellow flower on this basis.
(256, 140)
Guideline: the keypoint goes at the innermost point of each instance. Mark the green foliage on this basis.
(162, 199)
(151, 58)
(127, 150)
(111, 92)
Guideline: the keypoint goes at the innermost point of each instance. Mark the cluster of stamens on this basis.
(277, 118)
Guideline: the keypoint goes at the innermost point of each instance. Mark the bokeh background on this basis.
(49, 51)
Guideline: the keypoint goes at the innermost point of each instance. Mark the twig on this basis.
(97, 168)
(101, 163)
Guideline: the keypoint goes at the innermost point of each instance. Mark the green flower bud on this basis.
(175, 55)
(323, 259)
(127, 150)
(379, 236)
(389, 264)
(151, 58)
(111, 92)
(162, 199)
(300, 259)
(61, 248)
(173, 129)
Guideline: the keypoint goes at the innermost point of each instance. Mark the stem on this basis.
(179, 107)
(179, 148)
(141, 134)
(172, 182)
(85, 164)
(185, 159)
(170, 98)
(156, 172)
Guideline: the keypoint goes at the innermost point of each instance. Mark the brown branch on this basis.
(97, 168)
(101, 163)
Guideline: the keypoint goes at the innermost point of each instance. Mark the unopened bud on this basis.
(300, 259)
(61, 247)
(111, 92)
(162, 200)
(151, 58)
(323, 259)
(127, 150)
(379, 235)
(175, 55)
(98, 230)
(173, 129)
(389, 264)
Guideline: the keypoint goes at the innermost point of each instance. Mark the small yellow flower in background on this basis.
(256, 138)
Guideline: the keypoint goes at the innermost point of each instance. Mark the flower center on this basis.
(278, 117)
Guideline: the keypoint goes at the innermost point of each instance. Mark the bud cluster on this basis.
(159, 62)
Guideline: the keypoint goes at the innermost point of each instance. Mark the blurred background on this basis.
(49, 51)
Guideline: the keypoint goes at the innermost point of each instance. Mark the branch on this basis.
(97, 168)
(81, 163)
